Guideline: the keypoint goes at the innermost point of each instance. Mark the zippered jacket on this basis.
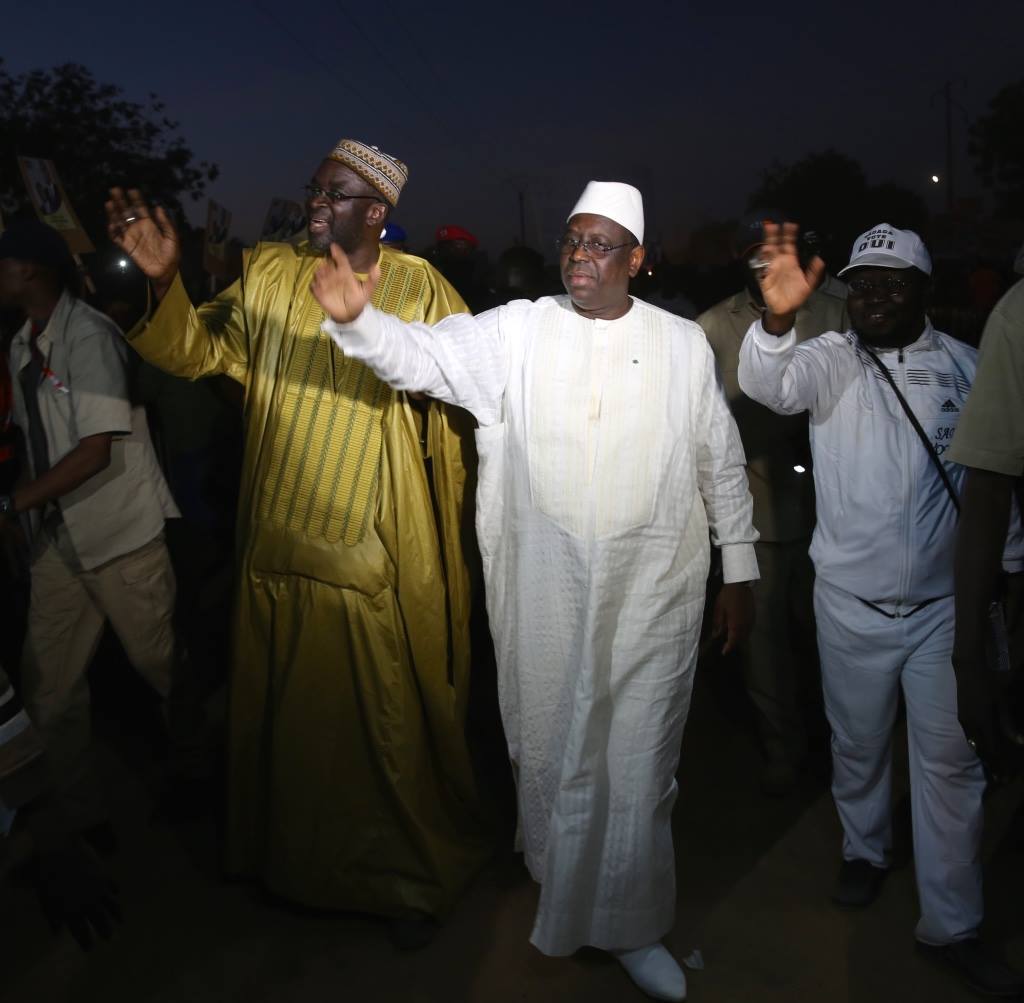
(886, 526)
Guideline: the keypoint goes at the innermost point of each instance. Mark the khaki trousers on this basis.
(67, 612)
(779, 658)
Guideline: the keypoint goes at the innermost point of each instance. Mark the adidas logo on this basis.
(949, 407)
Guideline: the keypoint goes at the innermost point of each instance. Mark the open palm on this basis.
(785, 284)
(146, 235)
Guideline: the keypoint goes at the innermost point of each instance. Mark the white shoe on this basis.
(654, 971)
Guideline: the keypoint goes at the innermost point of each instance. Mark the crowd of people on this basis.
(836, 480)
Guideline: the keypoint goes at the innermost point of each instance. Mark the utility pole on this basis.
(945, 92)
(948, 98)
(520, 184)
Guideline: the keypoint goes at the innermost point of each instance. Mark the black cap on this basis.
(750, 229)
(32, 240)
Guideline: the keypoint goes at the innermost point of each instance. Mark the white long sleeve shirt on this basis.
(886, 526)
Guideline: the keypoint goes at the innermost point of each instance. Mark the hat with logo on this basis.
(884, 246)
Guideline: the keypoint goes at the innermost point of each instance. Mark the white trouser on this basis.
(865, 658)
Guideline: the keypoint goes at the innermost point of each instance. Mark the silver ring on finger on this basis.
(130, 219)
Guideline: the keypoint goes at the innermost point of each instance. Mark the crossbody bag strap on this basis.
(939, 465)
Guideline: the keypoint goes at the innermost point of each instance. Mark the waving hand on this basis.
(146, 235)
(785, 284)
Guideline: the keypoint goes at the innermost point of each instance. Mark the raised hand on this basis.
(147, 236)
(785, 284)
(338, 289)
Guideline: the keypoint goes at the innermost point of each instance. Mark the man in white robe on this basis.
(607, 451)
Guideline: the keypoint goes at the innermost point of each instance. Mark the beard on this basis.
(320, 242)
(343, 236)
(894, 332)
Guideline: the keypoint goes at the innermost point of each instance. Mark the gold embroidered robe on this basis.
(349, 780)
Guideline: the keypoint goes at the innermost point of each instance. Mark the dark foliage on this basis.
(96, 138)
(997, 146)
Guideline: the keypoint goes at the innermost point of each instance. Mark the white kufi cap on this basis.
(621, 203)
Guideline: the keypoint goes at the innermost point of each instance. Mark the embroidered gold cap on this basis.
(377, 168)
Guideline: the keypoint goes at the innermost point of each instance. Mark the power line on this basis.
(445, 85)
(325, 67)
(350, 20)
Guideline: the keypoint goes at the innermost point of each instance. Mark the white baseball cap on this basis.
(886, 247)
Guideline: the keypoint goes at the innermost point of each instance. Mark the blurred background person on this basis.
(989, 442)
(779, 660)
(96, 502)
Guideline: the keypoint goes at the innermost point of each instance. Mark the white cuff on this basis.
(739, 563)
(772, 343)
(358, 339)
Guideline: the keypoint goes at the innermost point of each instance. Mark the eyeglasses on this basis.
(892, 286)
(595, 248)
(315, 192)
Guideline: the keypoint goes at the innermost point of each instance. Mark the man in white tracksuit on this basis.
(883, 556)
(607, 451)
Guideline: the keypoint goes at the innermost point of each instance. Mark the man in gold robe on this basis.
(350, 784)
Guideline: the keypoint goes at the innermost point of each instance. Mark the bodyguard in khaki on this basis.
(96, 502)
(349, 780)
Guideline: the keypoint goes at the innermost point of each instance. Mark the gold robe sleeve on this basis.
(184, 341)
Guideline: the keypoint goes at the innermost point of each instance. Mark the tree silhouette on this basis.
(894, 204)
(997, 146)
(823, 192)
(96, 138)
(828, 192)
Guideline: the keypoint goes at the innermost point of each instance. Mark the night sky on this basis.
(687, 100)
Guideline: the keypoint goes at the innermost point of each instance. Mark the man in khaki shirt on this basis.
(989, 441)
(781, 646)
(96, 501)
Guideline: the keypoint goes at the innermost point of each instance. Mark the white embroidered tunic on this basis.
(607, 451)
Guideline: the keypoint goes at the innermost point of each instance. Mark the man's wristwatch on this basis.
(6, 505)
